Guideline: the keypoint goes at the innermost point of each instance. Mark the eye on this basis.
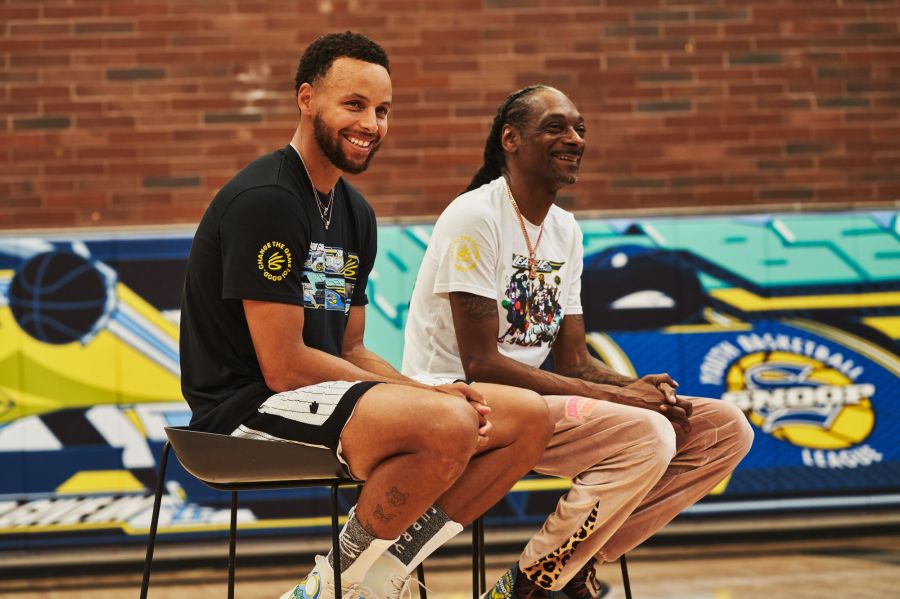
(555, 127)
(354, 104)
(581, 130)
(381, 112)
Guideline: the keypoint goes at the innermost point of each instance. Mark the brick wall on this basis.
(135, 112)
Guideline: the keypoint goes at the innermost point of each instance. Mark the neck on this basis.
(322, 172)
(534, 200)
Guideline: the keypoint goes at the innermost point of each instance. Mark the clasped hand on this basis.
(657, 392)
(478, 403)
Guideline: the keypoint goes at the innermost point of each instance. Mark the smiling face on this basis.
(550, 145)
(349, 109)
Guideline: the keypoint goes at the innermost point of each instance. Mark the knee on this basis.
(533, 418)
(739, 431)
(448, 437)
(656, 436)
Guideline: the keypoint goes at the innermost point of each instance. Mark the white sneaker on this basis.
(387, 578)
(319, 584)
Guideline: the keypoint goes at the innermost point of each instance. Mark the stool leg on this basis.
(232, 542)
(482, 571)
(624, 564)
(420, 574)
(335, 543)
(475, 577)
(154, 521)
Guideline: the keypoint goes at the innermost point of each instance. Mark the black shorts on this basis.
(313, 415)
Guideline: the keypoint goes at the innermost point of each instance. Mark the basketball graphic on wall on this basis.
(58, 297)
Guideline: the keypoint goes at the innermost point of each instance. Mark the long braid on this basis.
(514, 111)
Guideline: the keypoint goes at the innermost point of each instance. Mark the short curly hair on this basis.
(321, 54)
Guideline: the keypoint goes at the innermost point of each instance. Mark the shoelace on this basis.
(403, 587)
(354, 591)
(358, 591)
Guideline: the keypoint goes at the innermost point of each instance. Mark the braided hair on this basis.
(513, 111)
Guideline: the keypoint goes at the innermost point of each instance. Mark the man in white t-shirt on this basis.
(499, 289)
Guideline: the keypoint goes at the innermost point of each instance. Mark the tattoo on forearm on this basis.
(477, 308)
(396, 498)
(591, 372)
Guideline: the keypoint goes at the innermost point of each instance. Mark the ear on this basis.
(305, 98)
(509, 138)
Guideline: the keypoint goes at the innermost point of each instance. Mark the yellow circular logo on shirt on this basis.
(465, 254)
(275, 260)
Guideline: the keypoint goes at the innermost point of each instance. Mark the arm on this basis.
(355, 351)
(571, 357)
(286, 362)
(475, 321)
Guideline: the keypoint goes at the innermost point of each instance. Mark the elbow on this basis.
(568, 366)
(278, 379)
(479, 368)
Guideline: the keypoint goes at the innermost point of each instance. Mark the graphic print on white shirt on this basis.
(532, 306)
(477, 248)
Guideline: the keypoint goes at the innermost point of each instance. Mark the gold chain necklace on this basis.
(532, 251)
(325, 212)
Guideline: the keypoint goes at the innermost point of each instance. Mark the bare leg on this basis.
(522, 428)
(409, 445)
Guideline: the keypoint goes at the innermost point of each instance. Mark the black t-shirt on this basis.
(262, 239)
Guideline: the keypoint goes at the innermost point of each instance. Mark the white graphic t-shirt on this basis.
(477, 247)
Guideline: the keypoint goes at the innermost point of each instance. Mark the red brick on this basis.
(743, 129)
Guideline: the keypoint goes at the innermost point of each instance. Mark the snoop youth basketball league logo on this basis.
(274, 260)
(799, 391)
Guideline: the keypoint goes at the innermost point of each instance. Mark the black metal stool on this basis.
(237, 464)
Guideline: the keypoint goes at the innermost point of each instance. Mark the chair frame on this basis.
(479, 572)
(334, 483)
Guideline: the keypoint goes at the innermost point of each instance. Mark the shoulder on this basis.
(265, 170)
(562, 216)
(564, 220)
(357, 201)
(257, 186)
(477, 208)
(262, 200)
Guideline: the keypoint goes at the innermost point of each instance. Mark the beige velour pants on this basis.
(632, 472)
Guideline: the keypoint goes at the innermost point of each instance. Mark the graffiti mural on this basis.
(793, 318)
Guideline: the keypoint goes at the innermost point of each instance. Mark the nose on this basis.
(368, 121)
(573, 137)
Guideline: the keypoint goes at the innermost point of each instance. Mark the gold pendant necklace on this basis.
(532, 251)
(325, 211)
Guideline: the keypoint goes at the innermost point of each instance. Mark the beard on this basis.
(329, 142)
(565, 177)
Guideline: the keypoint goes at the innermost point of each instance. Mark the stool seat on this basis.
(238, 461)
(238, 464)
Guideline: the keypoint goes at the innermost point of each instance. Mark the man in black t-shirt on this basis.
(273, 318)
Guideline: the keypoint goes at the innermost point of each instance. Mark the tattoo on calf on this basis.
(381, 516)
(396, 498)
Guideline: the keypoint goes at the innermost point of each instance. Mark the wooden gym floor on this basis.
(846, 566)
